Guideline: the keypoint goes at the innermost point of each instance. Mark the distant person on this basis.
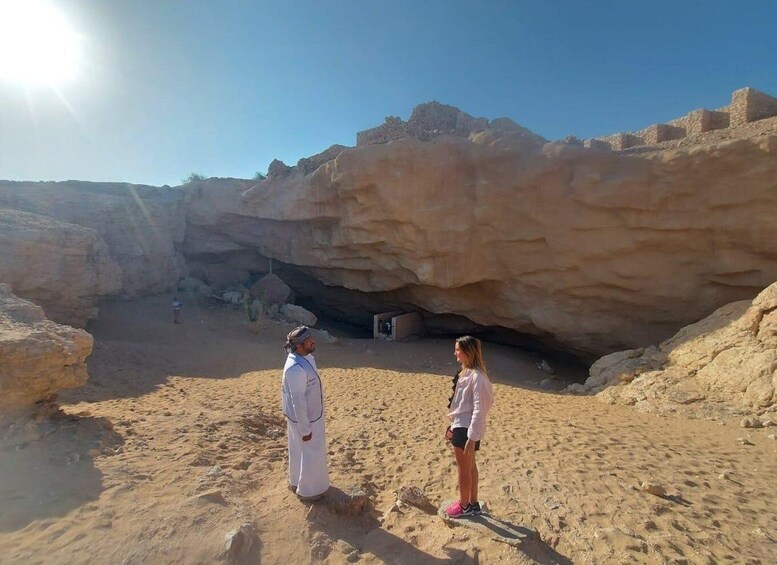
(177, 305)
(472, 398)
(303, 405)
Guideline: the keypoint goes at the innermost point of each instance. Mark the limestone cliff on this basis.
(62, 267)
(592, 249)
(143, 226)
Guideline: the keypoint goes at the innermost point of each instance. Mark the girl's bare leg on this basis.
(475, 477)
(465, 464)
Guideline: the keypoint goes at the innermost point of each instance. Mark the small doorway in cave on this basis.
(398, 325)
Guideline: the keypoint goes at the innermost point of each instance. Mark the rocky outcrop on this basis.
(484, 223)
(62, 267)
(38, 357)
(309, 164)
(433, 119)
(143, 226)
(278, 169)
(590, 250)
(724, 364)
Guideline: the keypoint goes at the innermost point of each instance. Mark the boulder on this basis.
(39, 357)
(235, 297)
(62, 267)
(270, 289)
(724, 364)
(196, 286)
(142, 226)
(298, 315)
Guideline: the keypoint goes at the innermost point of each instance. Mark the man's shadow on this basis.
(364, 532)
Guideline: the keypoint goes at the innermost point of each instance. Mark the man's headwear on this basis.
(296, 337)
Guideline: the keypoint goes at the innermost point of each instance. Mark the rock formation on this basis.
(39, 357)
(588, 250)
(62, 267)
(591, 250)
(143, 226)
(727, 360)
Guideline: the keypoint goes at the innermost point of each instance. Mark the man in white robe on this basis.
(303, 405)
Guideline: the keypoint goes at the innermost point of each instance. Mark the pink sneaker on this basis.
(455, 510)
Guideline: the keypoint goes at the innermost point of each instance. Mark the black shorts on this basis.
(459, 438)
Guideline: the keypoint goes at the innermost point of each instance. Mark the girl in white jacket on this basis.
(472, 398)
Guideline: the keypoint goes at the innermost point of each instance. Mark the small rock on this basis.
(744, 441)
(239, 542)
(211, 496)
(345, 548)
(544, 366)
(320, 546)
(653, 488)
(772, 436)
(750, 422)
(576, 388)
(768, 423)
(351, 502)
(216, 471)
(412, 495)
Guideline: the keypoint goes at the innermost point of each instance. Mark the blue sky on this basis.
(221, 87)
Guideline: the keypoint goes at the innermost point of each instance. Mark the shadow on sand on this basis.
(48, 469)
(364, 533)
(524, 539)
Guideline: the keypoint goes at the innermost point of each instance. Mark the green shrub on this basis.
(194, 177)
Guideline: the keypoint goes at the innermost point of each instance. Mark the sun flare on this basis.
(37, 44)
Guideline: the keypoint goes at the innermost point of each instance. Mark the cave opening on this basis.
(349, 313)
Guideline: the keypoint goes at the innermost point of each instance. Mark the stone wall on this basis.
(701, 120)
(393, 128)
(750, 105)
(747, 105)
(662, 132)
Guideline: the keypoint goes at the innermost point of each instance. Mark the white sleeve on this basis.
(481, 403)
(296, 381)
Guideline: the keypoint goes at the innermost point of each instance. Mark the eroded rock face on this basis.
(726, 363)
(64, 268)
(38, 357)
(143, 226)
(593, 250)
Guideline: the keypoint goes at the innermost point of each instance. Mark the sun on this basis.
(37, 44)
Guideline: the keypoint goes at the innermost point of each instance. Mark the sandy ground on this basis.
(176, 440)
